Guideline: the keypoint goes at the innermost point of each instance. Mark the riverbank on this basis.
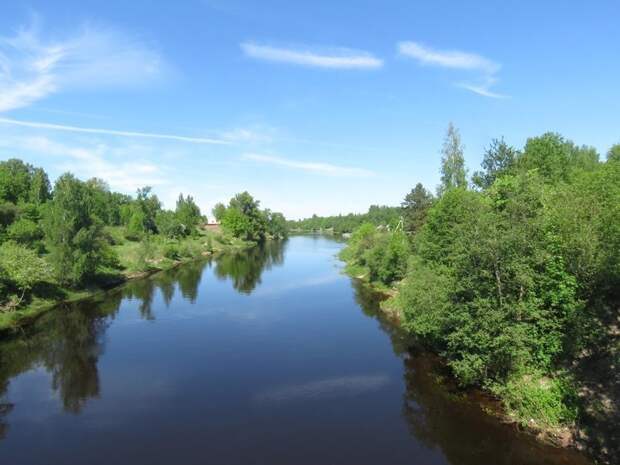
(489, 399)
(136, 260)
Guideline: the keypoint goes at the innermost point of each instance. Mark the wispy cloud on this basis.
(249, 135)
(482, 89)
(111, 132)
(337, 58)
(88, 161)
(458, 60)
(447, 58)
(324, 169)
(32, 68)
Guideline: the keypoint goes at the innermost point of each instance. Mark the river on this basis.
(270, 356)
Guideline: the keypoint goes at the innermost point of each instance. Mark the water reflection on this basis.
(68, 342)
(245, 268)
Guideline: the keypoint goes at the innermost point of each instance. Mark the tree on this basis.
(72, 232)
(168, 224)
(150, 205)
(188, 213)
(236, 223)
(40, 187)
(98, 193)
(387, 259)
(416, 204)
(277, 227)
(584, 157)
(550, 154)
(453, 172)
(25, 231)
(21, 268)
(136, 224)
(499, 159)
(218, 211)
(614, 153)
(15, 180)
(244, 219)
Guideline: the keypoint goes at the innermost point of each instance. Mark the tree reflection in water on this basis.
(246, 267)
(68, 341)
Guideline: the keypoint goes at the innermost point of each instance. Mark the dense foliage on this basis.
(245, 220)
(514, 281)
(81, 234)
(388, 217)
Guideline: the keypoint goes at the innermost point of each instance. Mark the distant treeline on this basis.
(376, 215)
(513, 275)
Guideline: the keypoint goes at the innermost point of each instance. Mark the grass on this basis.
(539, 402)
(135, 259)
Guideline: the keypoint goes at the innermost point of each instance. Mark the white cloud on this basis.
(447, 58)
(92, 161)
(32, 68)
(110, 132)
(458, 60)
(324, 169)
(338, 58)
(481, 90)
(249, 135)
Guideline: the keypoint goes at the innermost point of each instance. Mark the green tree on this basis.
(73, 233)
(21, 268)
(15, 180)
(499, 159)
(40, 187)
(219, 211)
(387, 259)
(137, 223)
(237, 224)
(98, 193)
(614, 153)
(149, 204)
(188, 213)
(25, 231)
(453, 172)
(169, 225)
(550, 154)
(415, 206)
(244, 219)
(277, 227)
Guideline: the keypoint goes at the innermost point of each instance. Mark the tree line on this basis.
(78, 233)
(378, 215)
(512, 273)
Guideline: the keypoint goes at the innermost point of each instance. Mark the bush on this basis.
(24, 231)
(21, 268)
(424, 300)
(171, 251)
(190, 249)
(146, 252)
(383, 254)
(169, 225)
(538, 401)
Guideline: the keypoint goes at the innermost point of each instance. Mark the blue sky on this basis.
(314, 107)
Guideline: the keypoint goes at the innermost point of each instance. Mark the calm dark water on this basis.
(267, 357)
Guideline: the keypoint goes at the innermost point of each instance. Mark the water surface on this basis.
(271, 356)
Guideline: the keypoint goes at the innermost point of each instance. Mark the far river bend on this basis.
(271, 356)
